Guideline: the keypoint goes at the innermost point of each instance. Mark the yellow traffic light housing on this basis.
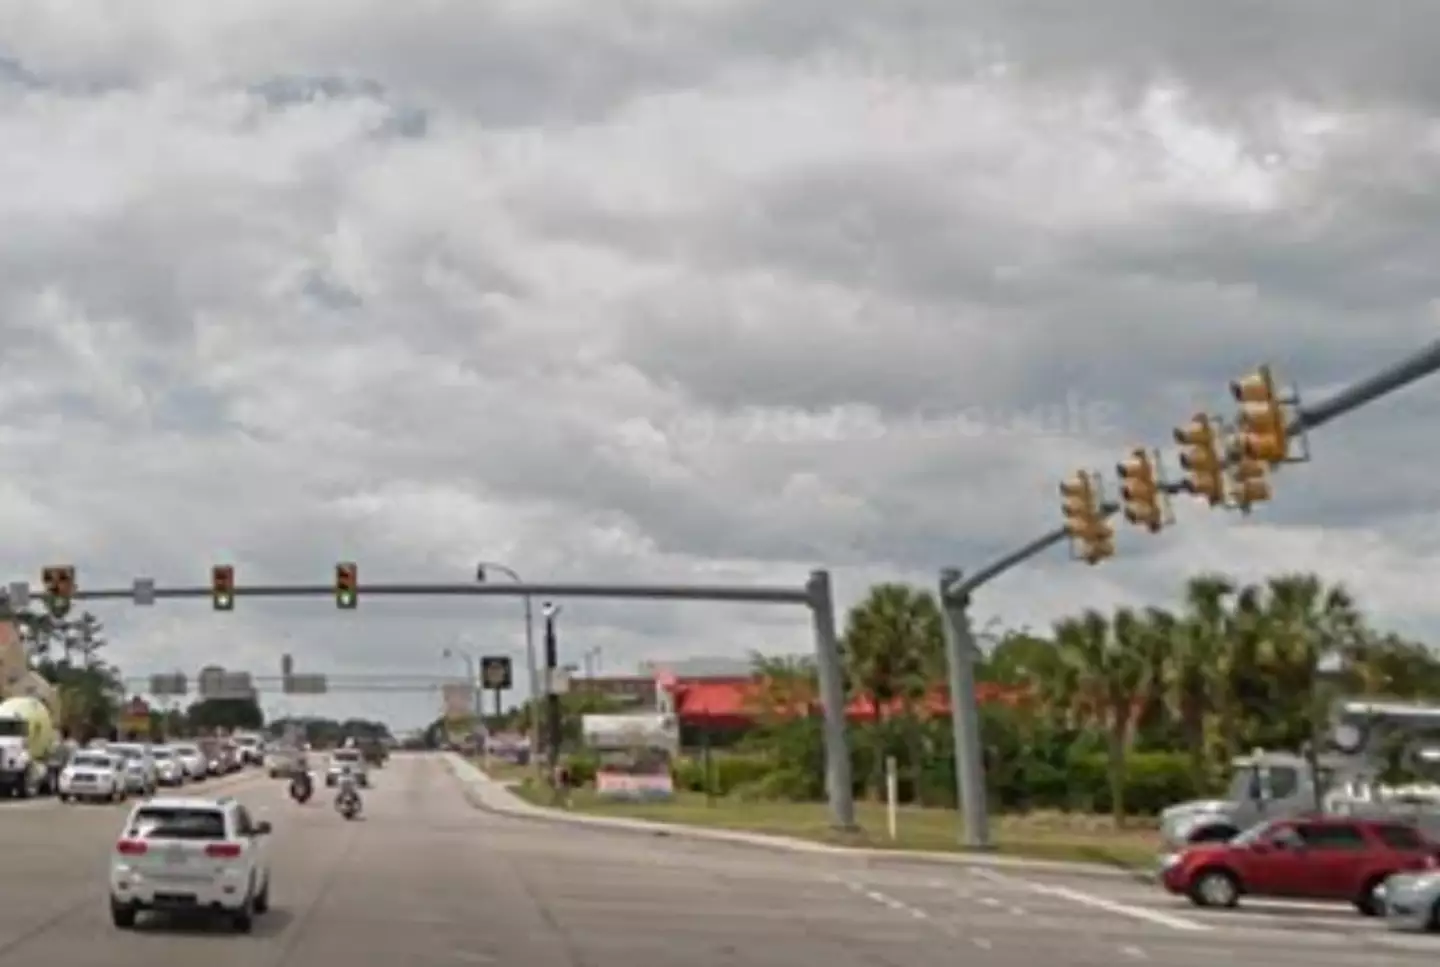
(1260, 426)
(1249, 483)
(1142, 494)
(347, 588)
(1092, 539)
(222, 587)
(59, 582)
(1201, 458)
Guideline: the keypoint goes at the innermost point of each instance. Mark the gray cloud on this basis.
(688, 293)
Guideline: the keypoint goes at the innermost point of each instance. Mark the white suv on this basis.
(190, 854)
(93, 775)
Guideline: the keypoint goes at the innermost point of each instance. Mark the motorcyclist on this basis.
(347, 790)
(301, 785)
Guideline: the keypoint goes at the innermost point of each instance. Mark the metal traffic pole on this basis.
(957, 592)
(531, 665)
(815, 595)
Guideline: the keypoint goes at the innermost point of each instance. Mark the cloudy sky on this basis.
(701, 290)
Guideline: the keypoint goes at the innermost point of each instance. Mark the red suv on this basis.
(1329, 858)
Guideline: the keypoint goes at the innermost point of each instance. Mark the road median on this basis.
(1072, 844)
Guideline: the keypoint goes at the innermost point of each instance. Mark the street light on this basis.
(482, 570)
(470, 677)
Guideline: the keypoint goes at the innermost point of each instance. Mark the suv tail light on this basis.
(222, 851)
(131, 847)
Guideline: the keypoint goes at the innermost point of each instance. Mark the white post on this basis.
(892, 793)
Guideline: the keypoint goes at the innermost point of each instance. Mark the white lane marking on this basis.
(884, 899)
(1097, 902)
(982, 943)
(1130, 950)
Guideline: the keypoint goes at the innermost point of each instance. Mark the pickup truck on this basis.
(347, 760)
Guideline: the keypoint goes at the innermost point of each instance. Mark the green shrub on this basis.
(582, 768)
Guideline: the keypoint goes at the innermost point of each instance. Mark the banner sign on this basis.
(619, 785)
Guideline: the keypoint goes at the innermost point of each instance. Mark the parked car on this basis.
(1321, 858)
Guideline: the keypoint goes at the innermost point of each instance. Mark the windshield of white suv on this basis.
(157, 823)
(14, 727)
(92, 761)
(162, 753)
(347, 756)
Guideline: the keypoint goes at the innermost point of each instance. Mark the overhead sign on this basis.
(305, 685)
(219, 683)
(143, 592)
(495, 672)
(168, 686)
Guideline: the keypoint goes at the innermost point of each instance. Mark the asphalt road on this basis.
(427, 879)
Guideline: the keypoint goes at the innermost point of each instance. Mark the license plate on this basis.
(175, 856)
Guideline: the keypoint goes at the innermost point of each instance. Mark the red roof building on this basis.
(735, 702)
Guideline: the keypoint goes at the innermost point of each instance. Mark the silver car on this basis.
(1412, 901)
(141, 777)
(192, 760)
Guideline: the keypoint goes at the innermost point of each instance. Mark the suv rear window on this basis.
(1401, 838)
(347, 756)
(156, 823)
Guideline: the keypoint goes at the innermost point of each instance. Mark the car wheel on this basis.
(64, 797)
(243, 919)
(1371, 901)
(262, 899)
(122, 915)
(1215, 888)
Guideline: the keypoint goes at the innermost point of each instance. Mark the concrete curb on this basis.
(522, 809)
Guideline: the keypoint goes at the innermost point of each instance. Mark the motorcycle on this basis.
(301, 787)
(347, 801)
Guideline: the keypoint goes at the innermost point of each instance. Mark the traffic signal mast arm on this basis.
(1413, 368)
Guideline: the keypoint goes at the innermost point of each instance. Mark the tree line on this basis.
(1125, 711)
(1122, 710)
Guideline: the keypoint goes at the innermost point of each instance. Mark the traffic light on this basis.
(1260, 432)
(1249, 483)
(59, 582)
(1140, 493)
(347, 589)
(1201, 459)
(222, 587)
(1091, 536)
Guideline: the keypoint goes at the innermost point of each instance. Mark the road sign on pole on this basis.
(304, 685)
(495, 672)
(144, 591)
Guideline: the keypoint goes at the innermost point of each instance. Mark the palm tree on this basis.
(1200, 669)
(892, 645)
(1108, 660)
